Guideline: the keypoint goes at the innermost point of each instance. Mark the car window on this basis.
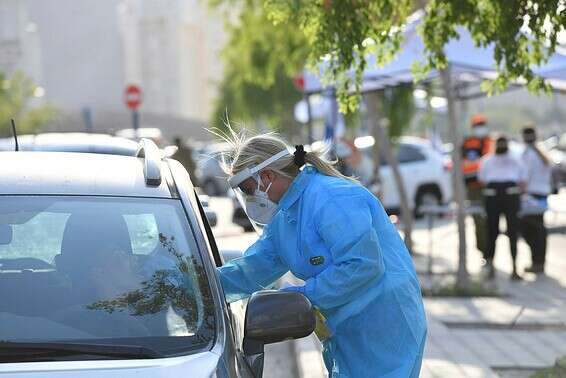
(408, 154)
(106, 269)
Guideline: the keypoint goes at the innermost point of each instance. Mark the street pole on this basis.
(87, 118)
(135, 122)
(457, 176)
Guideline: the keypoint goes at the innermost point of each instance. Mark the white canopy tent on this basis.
(468, 64)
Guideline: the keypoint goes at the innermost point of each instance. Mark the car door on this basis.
(236, 310)
(412, 167)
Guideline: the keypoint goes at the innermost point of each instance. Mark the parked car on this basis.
(108, 269)
(152, 133)
(239, 216)
(210, 214)
(557, 154)
(72, 142)
(88, 143)
(424, 170)
(210, 175)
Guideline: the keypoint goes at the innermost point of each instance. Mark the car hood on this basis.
(197, 366)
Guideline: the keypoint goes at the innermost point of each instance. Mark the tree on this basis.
(261, 60)
(396, 108)
(16, 95)
(523, 32)
(341, 33)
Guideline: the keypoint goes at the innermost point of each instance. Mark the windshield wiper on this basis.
(10, 350)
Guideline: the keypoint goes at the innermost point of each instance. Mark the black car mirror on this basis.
(274, 316)
(6, 234)
(271, 317)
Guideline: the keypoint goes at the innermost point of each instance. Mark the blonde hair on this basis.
(250, 151)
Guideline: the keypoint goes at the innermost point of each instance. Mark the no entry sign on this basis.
(133, 96)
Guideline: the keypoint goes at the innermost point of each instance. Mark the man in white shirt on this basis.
(538, 169)
(503, 179)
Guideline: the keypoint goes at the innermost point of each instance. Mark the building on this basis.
(172, 48)
(19, 44)
(84, 53)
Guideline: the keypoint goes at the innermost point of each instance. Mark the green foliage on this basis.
(557, 371)
(261, 60)
(398, 106)
(452, 289)
(339, 34)
(16, 92)
(523, 33)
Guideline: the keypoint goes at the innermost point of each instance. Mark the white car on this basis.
(108, 270)
(425, 172)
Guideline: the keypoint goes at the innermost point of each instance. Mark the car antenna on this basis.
(15, 134)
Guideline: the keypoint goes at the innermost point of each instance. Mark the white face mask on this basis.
(481, 131)
(259, 207)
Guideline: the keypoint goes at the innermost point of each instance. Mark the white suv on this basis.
(425, 172)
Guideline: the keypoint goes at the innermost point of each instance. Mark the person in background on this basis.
(474, 148)
(184, 155)
(502, 178)
(538, 178)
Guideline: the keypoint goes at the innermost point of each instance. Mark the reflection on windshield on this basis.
(167, 288)
(108, 270)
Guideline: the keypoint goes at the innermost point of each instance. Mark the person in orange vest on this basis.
(474, 147)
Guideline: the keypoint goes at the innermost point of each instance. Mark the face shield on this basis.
(255, 202)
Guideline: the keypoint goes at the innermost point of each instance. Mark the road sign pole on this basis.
(135, 121)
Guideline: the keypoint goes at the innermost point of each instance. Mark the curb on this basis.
(308, 357)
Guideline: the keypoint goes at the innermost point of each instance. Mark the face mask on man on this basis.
(481, 131)
(259, 207)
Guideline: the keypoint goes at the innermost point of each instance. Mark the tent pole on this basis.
(457, 176)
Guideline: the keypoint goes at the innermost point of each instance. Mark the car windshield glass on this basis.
(100, 270)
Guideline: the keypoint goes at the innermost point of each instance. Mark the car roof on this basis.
(69, 173)
(72, 142)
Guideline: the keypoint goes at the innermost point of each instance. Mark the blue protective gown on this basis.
(336, 236)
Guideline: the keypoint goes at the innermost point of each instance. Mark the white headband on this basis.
(239, 177)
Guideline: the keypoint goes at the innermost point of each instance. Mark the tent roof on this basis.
(466, 60)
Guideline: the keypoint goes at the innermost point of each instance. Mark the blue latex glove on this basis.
(297, 289)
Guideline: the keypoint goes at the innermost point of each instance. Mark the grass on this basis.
(557, 371)
(450, 289)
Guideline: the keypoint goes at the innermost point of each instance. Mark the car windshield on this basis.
(101, 270)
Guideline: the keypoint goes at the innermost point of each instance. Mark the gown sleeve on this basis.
(258, 269)
(346, 227)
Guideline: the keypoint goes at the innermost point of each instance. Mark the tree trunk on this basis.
(457, 178)
(406, 211)
(381, 136)
(376, 184)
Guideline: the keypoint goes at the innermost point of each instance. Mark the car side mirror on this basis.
(6, 234)
(274, 316)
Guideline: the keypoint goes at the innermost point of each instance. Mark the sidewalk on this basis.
(508, 336)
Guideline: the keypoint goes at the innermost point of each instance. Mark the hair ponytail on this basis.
(325, 167)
